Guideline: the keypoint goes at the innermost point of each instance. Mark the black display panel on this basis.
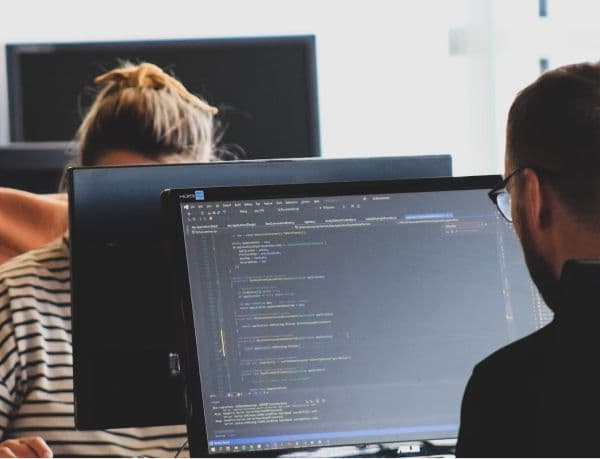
(36, 167)
(265, 88)
(338, 314)
(124, 325)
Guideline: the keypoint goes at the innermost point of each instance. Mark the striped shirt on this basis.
(36, 364)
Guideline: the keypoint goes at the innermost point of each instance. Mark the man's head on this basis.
(553, 133)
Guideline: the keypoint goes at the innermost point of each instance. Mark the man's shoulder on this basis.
(524, 354)
(500, 403)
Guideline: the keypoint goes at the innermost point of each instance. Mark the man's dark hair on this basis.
(554, 124)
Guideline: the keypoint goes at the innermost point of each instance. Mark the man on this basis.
(540, 396)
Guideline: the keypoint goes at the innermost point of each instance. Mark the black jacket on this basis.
(540, 396)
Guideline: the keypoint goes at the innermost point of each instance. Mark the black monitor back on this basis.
(265, 87)
(36, 167)
(124, 324)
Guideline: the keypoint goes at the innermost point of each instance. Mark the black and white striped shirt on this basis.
(36, 364)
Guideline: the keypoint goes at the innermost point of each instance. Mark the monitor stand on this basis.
(438, 448)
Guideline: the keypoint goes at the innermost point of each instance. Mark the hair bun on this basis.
(147, 75)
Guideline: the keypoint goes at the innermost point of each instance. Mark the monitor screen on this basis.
(265, 87)
(36, 167)
(335, 315)
(119, 270)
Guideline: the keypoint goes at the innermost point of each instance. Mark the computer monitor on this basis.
(265, 87)
(36, 167)
(340, 314)
(124, 327)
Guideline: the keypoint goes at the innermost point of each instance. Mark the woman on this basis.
(142, 115)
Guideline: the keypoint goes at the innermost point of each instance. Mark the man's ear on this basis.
(538, 196)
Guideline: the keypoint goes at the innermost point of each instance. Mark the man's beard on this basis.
(540, 268)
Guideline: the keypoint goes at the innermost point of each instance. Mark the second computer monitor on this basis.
(124, 328)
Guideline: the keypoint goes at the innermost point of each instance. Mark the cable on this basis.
(181, 449)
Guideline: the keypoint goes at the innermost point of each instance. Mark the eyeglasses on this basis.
(501, 197)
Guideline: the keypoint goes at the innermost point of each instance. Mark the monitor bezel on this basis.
(14, 51)
(171, 199)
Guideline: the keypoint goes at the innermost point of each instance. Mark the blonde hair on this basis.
(143, 109)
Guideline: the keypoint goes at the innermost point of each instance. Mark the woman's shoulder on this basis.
(48, 263)
(29, 220)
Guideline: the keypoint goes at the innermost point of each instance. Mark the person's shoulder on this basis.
(525, 353)
(50, 260)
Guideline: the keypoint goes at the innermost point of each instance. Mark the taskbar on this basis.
(322, 439)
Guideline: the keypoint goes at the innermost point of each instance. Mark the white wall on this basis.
(395, 76)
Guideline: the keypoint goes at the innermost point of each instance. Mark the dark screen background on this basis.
(265, 88)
